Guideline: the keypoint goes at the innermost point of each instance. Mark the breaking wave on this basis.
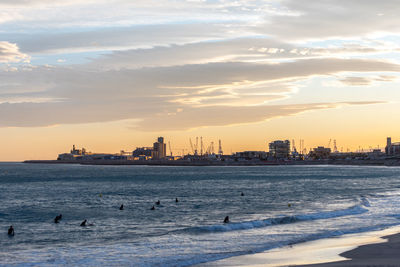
(246, 225)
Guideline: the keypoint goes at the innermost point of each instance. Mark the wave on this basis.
(246, 225)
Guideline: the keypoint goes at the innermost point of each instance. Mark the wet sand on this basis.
(382, 254)
(375, 248)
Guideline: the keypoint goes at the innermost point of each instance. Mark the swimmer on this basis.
(153, 208)
(176, 200)
(11, 231)
(158, 202)
(57, 218)
(84, 223)
(289, 205)
(226, 220)
(122, 207)
(242, 194)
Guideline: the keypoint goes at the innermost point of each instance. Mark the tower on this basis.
(159, 149)
(388, 145)
(220, 147)
(335, 150)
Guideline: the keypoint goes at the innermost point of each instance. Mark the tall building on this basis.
(279, 149)
(392, 149)
(159, 149)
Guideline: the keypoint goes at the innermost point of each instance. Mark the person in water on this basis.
(84, 223)
(226, 220)
(122, 207)
(176, 200)
(57, 218)
(153, 208)
(158, 202)
(11, 231)
(242, 194)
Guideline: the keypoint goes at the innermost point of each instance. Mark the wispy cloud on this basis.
(333, 19)
(365, 81)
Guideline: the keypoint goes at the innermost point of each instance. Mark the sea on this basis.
(280, 206)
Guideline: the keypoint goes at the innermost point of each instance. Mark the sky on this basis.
(114, 75)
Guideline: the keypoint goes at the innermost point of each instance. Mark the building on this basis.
(74, 154)
(320, 153)
(142, 151)
(392, 149)
(251, 155)
(279, 149)
(159, 149)
(376, 154)
(75, 151)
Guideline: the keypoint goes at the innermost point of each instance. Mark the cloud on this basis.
(241, 49)
(365, 81)
(79, 95)
(118, 38)
(224, 116)
(308, 19)
(56, 15)
(9, 53)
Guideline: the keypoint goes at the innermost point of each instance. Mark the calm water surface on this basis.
(325, 201)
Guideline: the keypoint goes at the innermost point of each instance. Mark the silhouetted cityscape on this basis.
(279, 152)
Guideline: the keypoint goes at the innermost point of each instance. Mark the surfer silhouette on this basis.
(226, 220)
(84, 223)
(57, 218)
(122, 207)
(158, 202)
(153, 208)
(11, 231)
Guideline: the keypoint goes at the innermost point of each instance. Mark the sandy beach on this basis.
(382, 254)
(375, 248)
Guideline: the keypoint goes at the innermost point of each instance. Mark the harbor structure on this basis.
(75, 151)
(392, 149)
(159, 149)
(142, 151)
(320, 153)
(251, 155)
(279, 149)
(280, 152)
(83, 155)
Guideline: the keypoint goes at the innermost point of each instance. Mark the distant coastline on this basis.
(280, 153)
(386, 162)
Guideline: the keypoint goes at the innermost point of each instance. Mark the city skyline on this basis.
(115, 75)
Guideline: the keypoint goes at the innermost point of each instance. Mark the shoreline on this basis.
(373, 248)
(378, 163)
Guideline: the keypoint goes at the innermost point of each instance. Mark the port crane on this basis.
(220, 147)
(191, 145)
(210, 149)
(197, 145)
(170, 150)
(201, 145)
(335, 150)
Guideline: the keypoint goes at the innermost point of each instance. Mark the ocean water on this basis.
(326, 201)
